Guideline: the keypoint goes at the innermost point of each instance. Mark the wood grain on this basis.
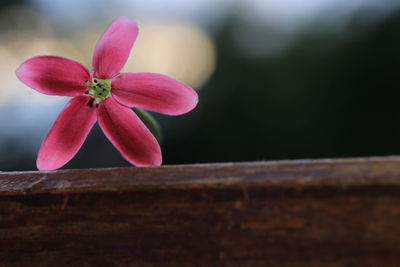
(343, 212)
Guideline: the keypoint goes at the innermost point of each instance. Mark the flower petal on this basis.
(54, 75)
(128, 134)
(154, 92)
(67, 134)
(113, 48)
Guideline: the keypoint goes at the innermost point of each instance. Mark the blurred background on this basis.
(277, 79)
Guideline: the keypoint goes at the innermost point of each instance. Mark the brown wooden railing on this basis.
(343, 212)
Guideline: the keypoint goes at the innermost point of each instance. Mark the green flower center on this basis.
(99, 89)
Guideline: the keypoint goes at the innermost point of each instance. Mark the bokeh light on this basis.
(176, 49)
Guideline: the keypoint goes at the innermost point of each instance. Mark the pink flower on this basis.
(107, 96)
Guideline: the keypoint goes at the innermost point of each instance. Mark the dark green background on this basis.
(329, 93)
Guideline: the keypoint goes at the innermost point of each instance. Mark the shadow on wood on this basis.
(285, 213)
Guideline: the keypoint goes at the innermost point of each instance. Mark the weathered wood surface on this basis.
(285, 213)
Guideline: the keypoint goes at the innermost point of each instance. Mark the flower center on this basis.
(99, 89)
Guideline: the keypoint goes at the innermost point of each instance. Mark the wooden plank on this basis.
(343, 212)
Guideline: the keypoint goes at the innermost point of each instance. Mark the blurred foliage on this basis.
(330, 94)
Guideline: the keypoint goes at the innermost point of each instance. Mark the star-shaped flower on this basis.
(106, 96)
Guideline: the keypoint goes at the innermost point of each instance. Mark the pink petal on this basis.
(128, 134)
(113, 48)
(54, 75)
(67, 134)
(154, 92)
